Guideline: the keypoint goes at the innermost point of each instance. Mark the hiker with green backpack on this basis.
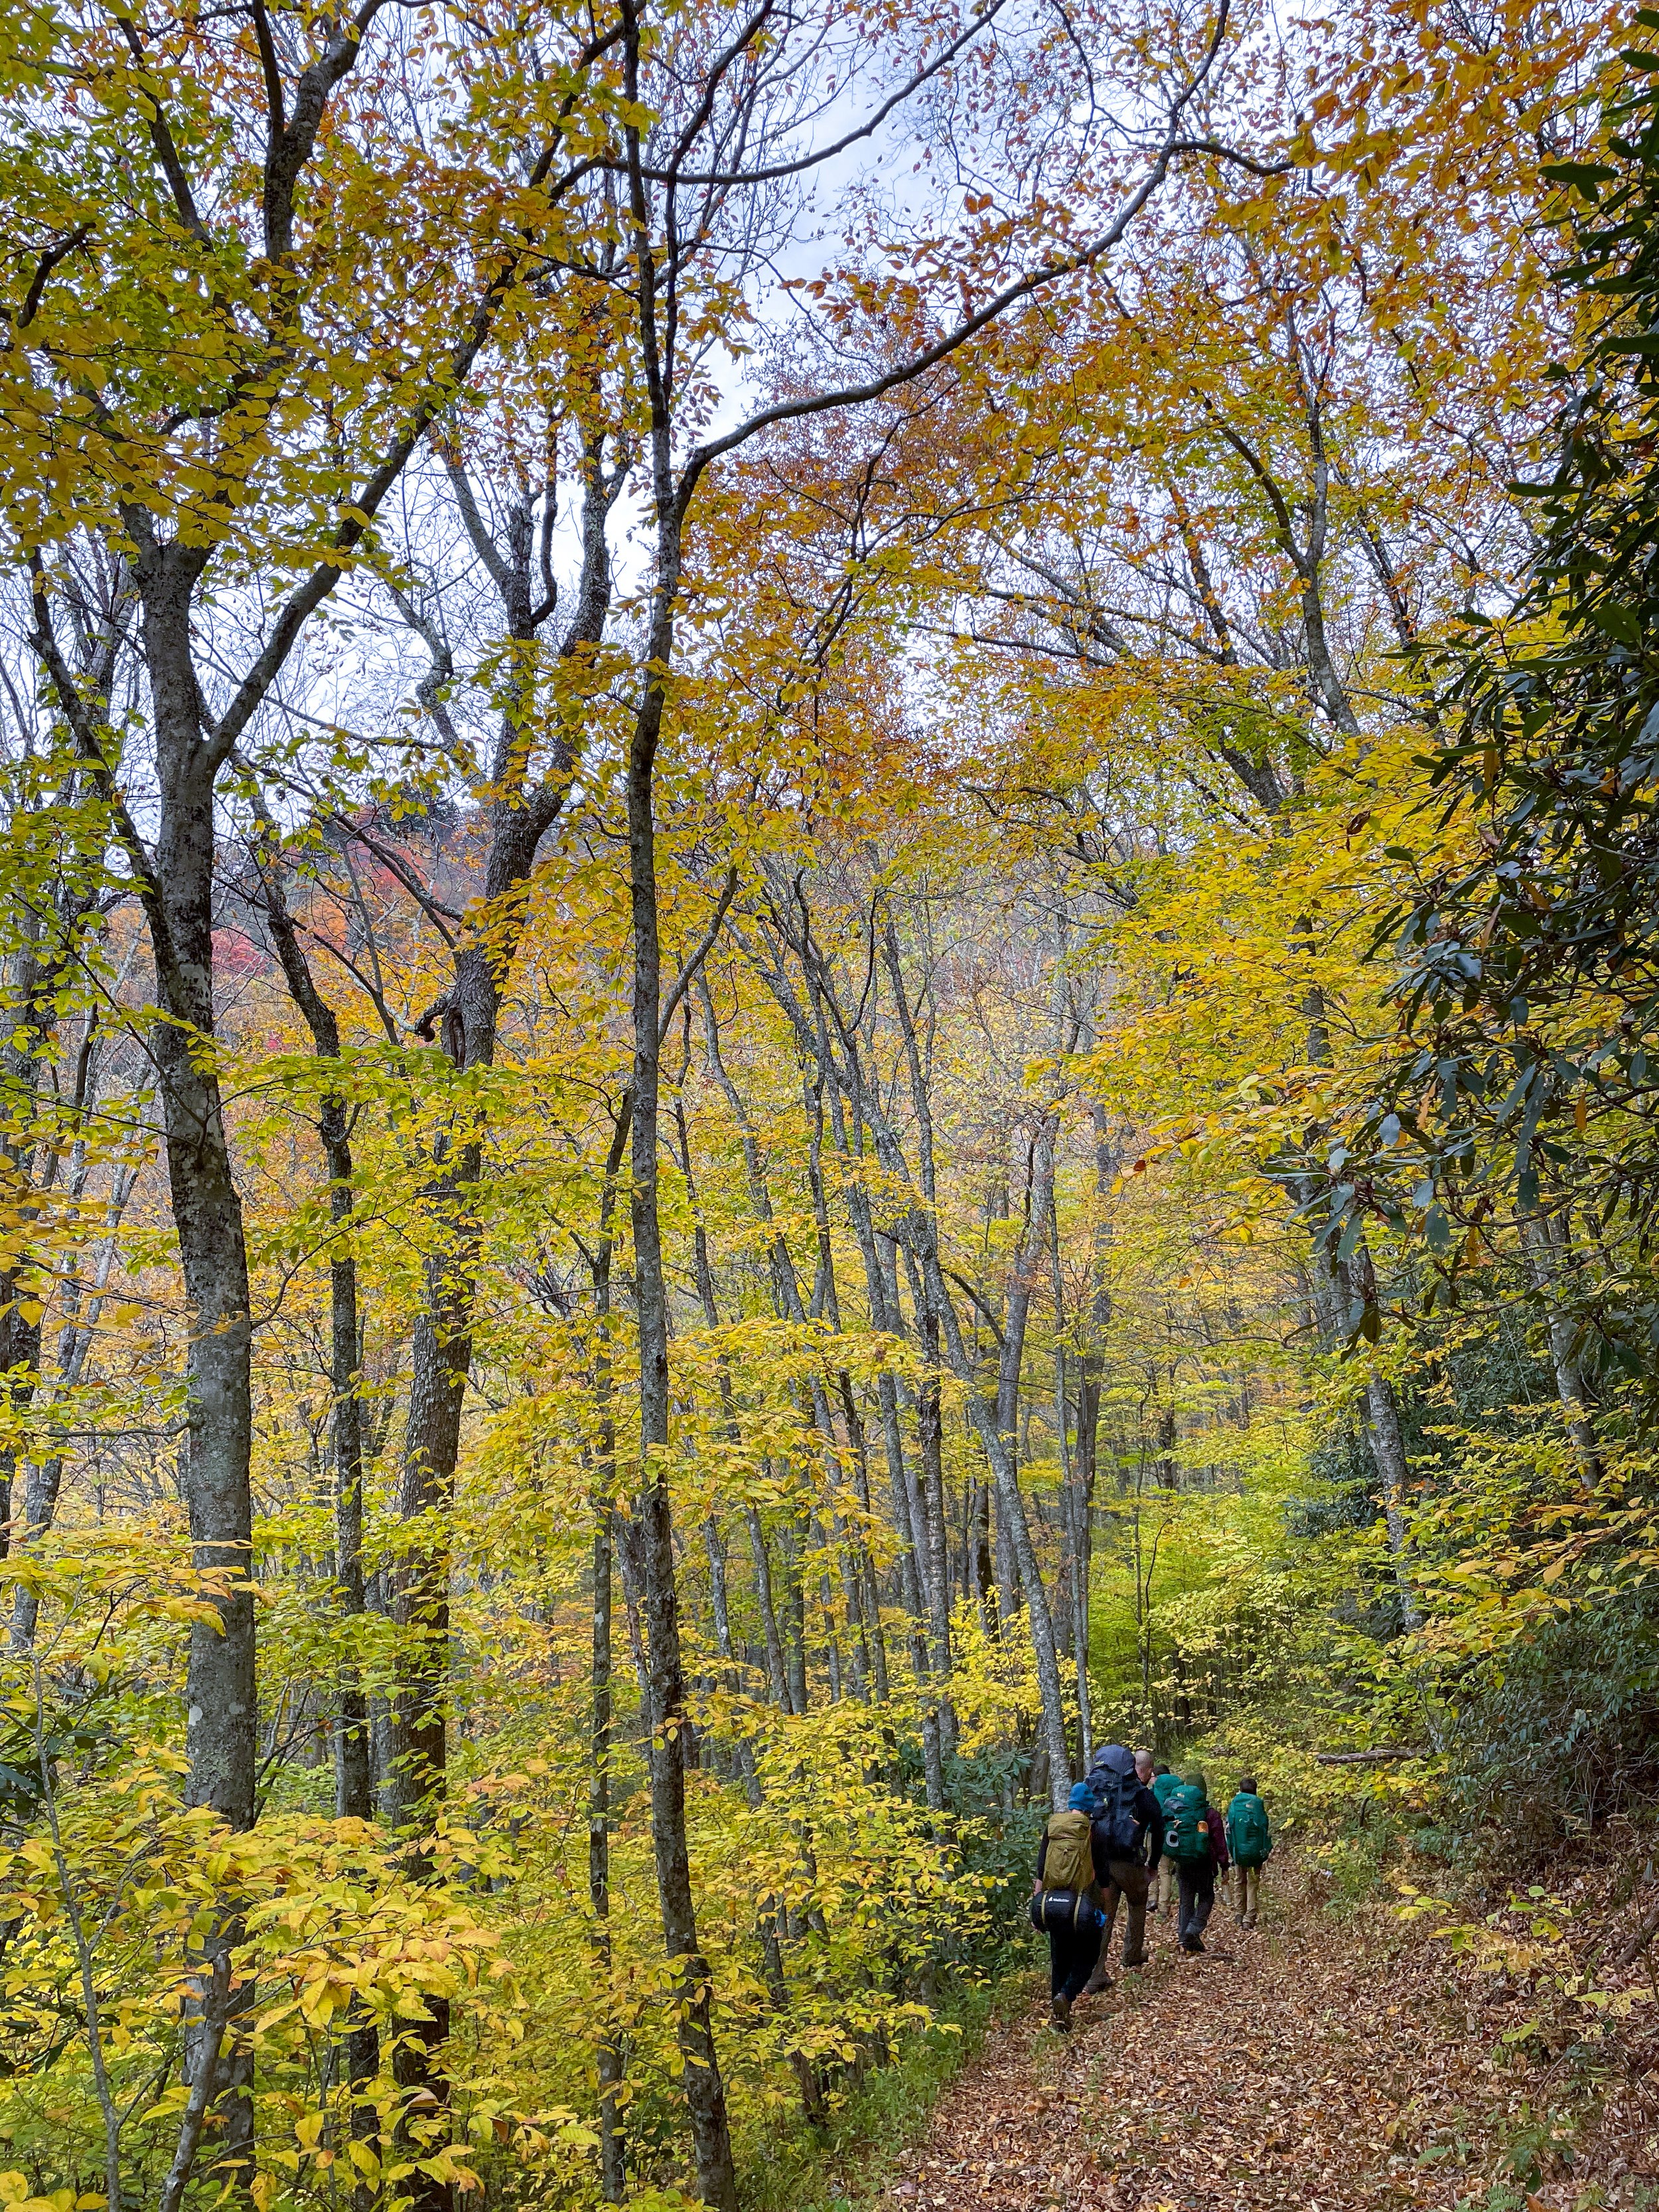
(1164, 1785)
(1251, 1841)
(1195, 1838)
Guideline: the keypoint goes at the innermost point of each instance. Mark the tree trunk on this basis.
(1538, 1240)
(51, 941)
(220, 1714)
(777, 1673)
(919, 1238)
(1387, 1448)
(885, 1315)
(353, 1795)
(703, 2088)
(794, 1617)
(354, 1780)
(613, 2168)
(789, 1306)
(75, 1341)
(354, 1774)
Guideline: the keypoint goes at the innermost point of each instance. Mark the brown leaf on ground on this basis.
(1310, 2063)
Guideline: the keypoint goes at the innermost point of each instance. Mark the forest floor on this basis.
(1325, 2063)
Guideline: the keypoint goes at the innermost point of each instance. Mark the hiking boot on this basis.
(1249, 1920)
(1060, 2016)
(1129, 1965)
(1097, 1983)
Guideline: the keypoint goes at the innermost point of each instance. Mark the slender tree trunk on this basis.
(353, 1768)
(1017, 1527)
(1388, 1451)
(1544, 1265)
(1350, 1286)
(885, 1315)
(1030, 1254)
(794, 1617)
(777, 1676)
(920, 1240)
(26, 1012)
(1387, 1448)
(1077, 1472)
(74, 1341)
(703, 2087)
(353, 1771)
(928, 1524)
(613, 2172)
(864, 1606)
(789, 1306)
(520, 809)
(777, 1673)
(221, 1713)
(930, 1440)
(440, 1359)
(868, 1589)
(704, 2091)
(51, 941)
(354, 1795)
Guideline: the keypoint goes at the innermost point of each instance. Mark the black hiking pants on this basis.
(1197, 1900)
(1071, 1955)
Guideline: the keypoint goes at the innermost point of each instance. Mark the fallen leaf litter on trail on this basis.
(1298, 2064)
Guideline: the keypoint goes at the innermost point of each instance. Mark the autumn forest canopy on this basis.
(829, 925)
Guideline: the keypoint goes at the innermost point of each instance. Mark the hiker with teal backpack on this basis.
(1195, 1837)
(1251, 1841)
(1065, 1902)
(1164, 1786)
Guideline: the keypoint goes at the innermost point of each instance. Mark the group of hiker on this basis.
(1137, 1834)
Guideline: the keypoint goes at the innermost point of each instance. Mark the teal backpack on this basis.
(1186, 1825)
(1248, 1831)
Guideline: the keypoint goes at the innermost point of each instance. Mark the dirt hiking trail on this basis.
(1327, 2066)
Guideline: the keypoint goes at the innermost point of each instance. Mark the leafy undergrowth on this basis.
(827, 2168)
(1336, 2065)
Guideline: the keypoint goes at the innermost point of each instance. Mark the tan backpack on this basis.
(1068, 1863)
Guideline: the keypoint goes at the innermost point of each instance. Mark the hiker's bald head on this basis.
(1144, 1765)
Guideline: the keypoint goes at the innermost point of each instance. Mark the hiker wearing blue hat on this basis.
(1065, 1901)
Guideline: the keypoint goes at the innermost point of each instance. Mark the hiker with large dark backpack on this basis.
(1066, 1902)
(1251, 1839)
(1195, 1837)
(1126, 1817)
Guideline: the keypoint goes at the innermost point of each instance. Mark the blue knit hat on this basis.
(1082, 1798)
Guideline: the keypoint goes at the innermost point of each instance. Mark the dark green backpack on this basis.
(1185, 1832)
(1248, 1831)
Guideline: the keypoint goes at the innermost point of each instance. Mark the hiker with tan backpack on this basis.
(1065, 1902)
